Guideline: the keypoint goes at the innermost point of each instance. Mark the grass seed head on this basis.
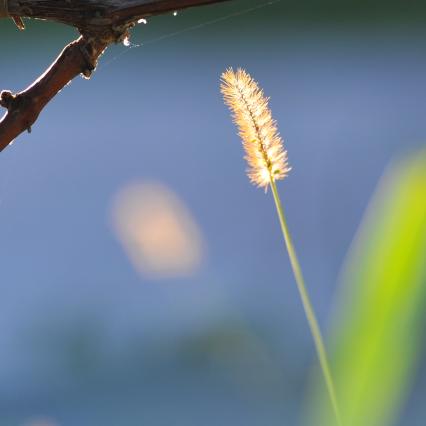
(263, 145)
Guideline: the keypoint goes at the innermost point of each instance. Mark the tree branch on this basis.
(23, 109)
(100, 22)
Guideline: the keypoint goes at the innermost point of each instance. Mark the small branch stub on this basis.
(4, 13)
(4, 9)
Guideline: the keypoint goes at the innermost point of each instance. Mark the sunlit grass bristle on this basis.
(267, 163)
(263, 145)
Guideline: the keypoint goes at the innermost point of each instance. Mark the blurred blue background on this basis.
(89, 339)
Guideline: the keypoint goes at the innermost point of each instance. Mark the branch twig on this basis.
(23, 109)
(100, 22)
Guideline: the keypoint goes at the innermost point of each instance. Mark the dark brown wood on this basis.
(101, 22)
(80, 56)
(90, 15)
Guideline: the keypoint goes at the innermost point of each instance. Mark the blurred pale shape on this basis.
(157, 230)
(41, 422)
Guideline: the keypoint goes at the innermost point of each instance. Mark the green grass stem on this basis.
(307, 305)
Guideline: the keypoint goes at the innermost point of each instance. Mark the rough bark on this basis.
(100, 22)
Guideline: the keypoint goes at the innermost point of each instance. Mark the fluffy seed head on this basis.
(265, 153)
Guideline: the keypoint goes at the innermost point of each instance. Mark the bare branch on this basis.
(23, 109)
(101, 22)
(90, 14)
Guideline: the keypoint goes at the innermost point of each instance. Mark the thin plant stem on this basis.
(307, 305)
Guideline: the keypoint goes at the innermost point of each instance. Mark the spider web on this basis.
(130, 46)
